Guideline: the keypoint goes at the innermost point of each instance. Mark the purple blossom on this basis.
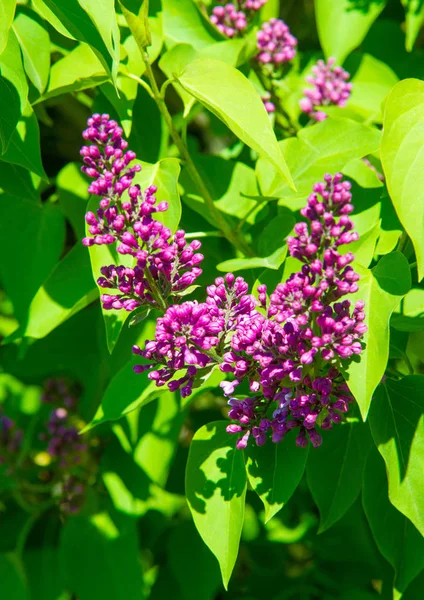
(269, 106)
(330, 88)
(229, 20)
(63, 440)
(164, 264)
(276, 45)
(10, 441)
(61, 392)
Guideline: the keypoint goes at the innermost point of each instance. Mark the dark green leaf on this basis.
(335, 469)
(215, 490)
(99, 558)
(397, 539)
(12, 578)
(274, 471)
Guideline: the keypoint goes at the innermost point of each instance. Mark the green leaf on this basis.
(396, 420)
(198, 577)
(78, 70)
(158, 435)
(274, 261)
(215, 491)
(17, 181)
(402, 149)
(372, 82)
(138, 23)
(93, 22)
(174, 62)
(364, 248)
(34, 40)
(381, 288)
(68, 289)
(7, 12)
(414, 19)
(71, 187)
(44, 11)
(274, 471)
(411, 315)
(335, 469)
(324, 148)
(182, 23)
(363, 174)
(229, 95)
(275, 232)
(13, 90)
(397, 539)
(12, 578)
(99, 557)
(342, 26)
(34, 236)
(24, 146)
(164, 175)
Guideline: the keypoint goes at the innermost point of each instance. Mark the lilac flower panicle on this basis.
(286, 344)
(330, 88)
(233, 18)
(163, 264)
(276, 45)
(11, 437)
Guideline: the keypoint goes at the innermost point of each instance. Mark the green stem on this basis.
(403, 241)
(237, 240)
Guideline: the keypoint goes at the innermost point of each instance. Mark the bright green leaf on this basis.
(17, 181)
(381, 288)
(274, 471)
(402, 150)
(215, 491)
(182, 23)
(228, 94)
(397, 539)
(34, 40)
(93, 22)
(342, 25)
(138, 24)
(7, 12)
(174, 62)
(78, 70)
(13, 90)
(68, 289)
(334, 470)
(396, 420)
(324, 148)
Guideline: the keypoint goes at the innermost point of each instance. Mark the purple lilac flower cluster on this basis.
(60, 391)
(232, 19)
(287, 348)
(63, 440)
(164, 264)
(10, 441)
(330, 88)
(276, 45)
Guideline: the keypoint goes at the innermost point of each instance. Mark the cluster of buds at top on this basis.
(330, 88)
(288, 347)
(232, 19)
(276, 45)
(163, 264)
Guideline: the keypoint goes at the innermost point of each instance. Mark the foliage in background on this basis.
(106, 480)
